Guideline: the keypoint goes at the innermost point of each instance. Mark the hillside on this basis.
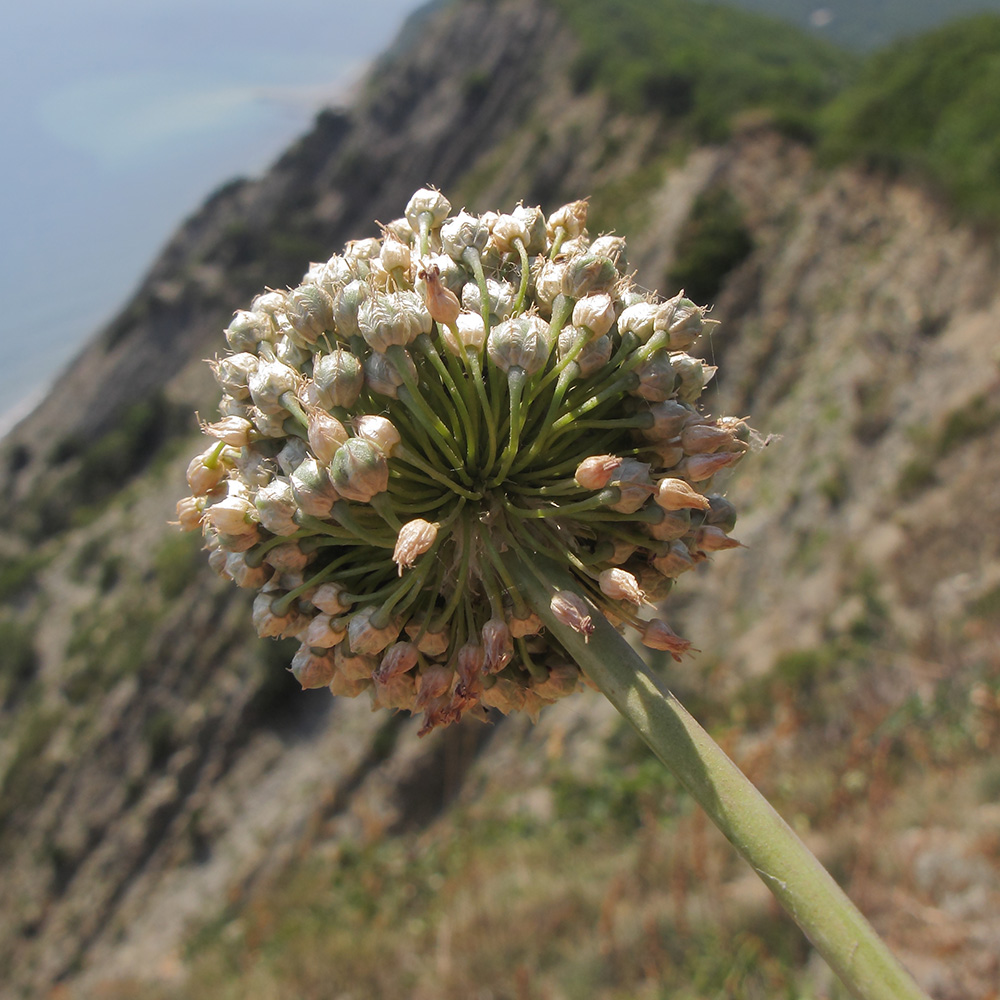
(177, 819)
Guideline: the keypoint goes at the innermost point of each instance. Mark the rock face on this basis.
(156, 761)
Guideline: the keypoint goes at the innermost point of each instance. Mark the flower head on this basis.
(429, 405)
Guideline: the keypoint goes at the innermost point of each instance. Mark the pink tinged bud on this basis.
(326, 435)
(442, 303)
(710, 538)
(359, 470)
(277, 508)
(520, 627)
(378, 431)
(632, 478)
(353, 666)
(396, 691)
(232, 516)
(189, 513)
(328, 598)
(312, 669)
(415, 538)
(620, 585)
(365, 637)
(204, 478)
(434, 682)
(398, 659)
(269, 383)
(563, 680)
(659, 635)
(595, 472)
(322, 633)
(676, 560)
(498, 645)
(522, 342)
(698, 468)
(572, 610)
(505, 695)
(676, 494)
(249, 577)
(471, 666)
(596, 313)
(669, 453)
(702, 439)
(337, 380)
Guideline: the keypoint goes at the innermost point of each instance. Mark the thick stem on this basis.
(804, 888)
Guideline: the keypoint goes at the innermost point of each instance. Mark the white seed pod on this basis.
(232, 516)
(244, 576)
(471, 331)
(293, 452)
(309, 311)
(189, 513)
(205, 472)
(549, 283)
(345, 309)
(312, 489)
(337, 378)
(693, 375)
(235, 431)
(657, 378)
(429, 643)
(669, 418)
(247, 329)
(287, 558)
(501, 296)
(463, 232)
(382, 375)
(594, 356)
(395, 255)
(587, 274)
(671, 525)
(533, 220)
(269, 382)
(612, 247)
(399, 658)
(326, 434)
(414, 539)
(638, 320)
(268, 624)
(353, 666)
(562, 681)
(571, 218)
(233, 372)
(520, 627)
(674, 561)
(393, 319)
(276, 507)
(504, 695)
(506, 230)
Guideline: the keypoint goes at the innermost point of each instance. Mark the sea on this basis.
(119, 118)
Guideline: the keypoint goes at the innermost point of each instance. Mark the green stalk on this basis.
(798, 881)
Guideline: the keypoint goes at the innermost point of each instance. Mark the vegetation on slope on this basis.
(699, 64)
(928, 107)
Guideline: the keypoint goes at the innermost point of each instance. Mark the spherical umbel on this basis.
(463, 392)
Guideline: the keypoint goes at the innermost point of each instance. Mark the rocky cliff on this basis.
(162, 775)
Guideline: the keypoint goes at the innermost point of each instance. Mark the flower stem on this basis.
(804, 888)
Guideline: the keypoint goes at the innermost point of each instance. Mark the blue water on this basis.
(119, 118)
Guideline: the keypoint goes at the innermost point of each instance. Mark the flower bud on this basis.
(669, 418)
(430, 202)
(505, 695)
(326, 435)
(365, 637)
(498, 646)
(287, 558)
(247, 329)
(657, 378)
(562, 681)
(462, 232)
(321, 633)
(471, 332)
(392, 319)
(612, 247)
(270, 625)
(710, 538)
(694, 375)
(500, 294)
(382, 375)
(309, 311)
(395, 255)
(337, 380)
(698, 468)
(379, 431)
(345, 309)
(573, 611)
(522, 342)
(588, 273)
(353, 666)
(676, 494)
(312, 669)
(293, 453)
(674, 561)
(429, 643)
(671, 525)
(659, 635)
(205, 472)
(442, 303)
(632, 478)
(699, 438)
(506, 230)
(232, 516)
(638, 320)
(533, 220)
(596, 312)
(359, 470)
(620, 585)
(594, 356)
(277, 508)
(683, 320)
(189, 513)
(328, 598)
(595, 472)
(314, 493)
(399, 658)
(571, 217)
(232, 374)
(520, 627)
(414, 539)
(269, 382)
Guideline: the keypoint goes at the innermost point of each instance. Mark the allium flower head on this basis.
(432, 404)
